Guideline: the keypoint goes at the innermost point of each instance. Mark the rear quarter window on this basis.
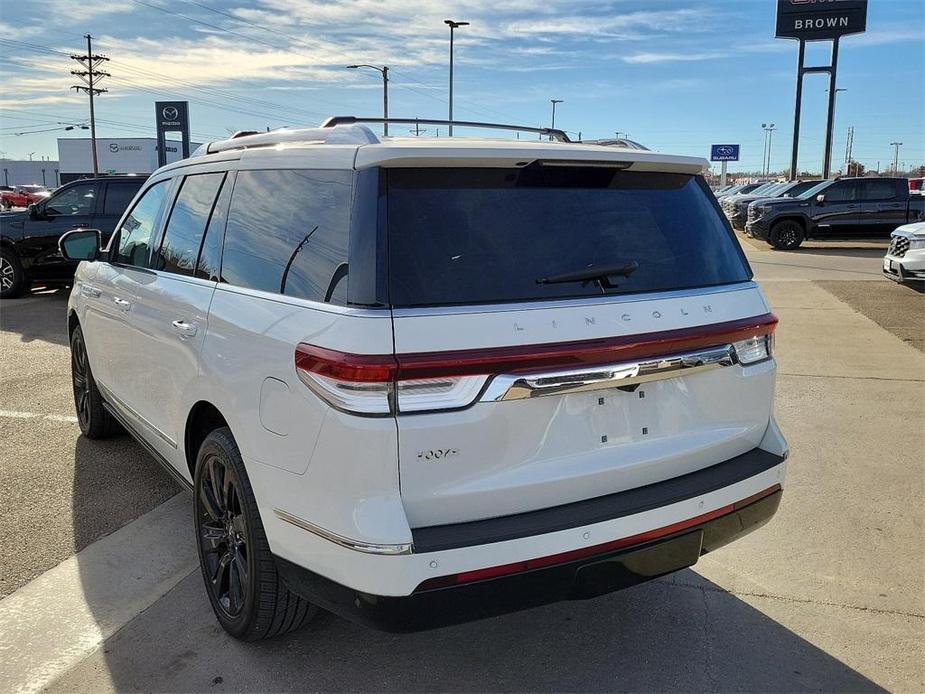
(471, 236)
(287, 232)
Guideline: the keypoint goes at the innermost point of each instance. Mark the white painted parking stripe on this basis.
(12, 414)
(60, 617)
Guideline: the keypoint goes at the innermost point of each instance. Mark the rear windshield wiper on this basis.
(598, 273)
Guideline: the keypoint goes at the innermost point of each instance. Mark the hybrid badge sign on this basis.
(817, 20)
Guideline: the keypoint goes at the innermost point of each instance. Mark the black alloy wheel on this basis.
(249, 598)
(80, 376)
(223, 537)
(95, 422)
(12, 277)
(786, 235)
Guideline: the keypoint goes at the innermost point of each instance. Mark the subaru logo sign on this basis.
(724, 152)
(170, 113)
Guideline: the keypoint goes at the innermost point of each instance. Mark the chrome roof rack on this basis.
(337, 121)
(340, 135)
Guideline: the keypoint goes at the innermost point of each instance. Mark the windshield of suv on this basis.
(815, 190)
(469, 236)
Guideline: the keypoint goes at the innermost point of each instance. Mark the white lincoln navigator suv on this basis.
(419, 381)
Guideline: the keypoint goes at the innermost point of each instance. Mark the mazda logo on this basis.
(170, 113)
(113, 147)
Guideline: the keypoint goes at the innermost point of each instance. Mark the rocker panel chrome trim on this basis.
(356, 545)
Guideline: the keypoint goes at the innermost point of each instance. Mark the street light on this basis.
(553, 126)
(453, 25)
(768, 132)
(384, 71)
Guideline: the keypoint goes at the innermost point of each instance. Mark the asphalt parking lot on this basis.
(99, 589)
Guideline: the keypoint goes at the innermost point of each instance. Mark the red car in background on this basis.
(22, 196)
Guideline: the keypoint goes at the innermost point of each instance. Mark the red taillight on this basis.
(365, 383)
(584, 552)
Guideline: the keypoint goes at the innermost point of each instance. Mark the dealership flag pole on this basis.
(90, 75)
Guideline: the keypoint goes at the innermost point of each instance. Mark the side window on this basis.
(840, 192)
(210, 257)
(135, 234)
(179, 250)
(118, 197)
(879, 190)
(287, 233)
(80, 199)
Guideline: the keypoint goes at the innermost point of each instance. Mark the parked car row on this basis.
(735, 206)
(846, 207)
(21, 196)
(29, 239)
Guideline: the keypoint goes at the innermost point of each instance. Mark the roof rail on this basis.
(340, 135)
(336, 121)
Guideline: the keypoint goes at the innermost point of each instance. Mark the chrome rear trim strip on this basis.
(520, 387)
(356, 545)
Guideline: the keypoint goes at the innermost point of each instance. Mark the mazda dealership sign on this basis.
(816, 20)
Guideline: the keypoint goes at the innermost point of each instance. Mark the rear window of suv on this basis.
(474, 236)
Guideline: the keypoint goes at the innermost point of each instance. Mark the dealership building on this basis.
(116, 155)
(23, 172)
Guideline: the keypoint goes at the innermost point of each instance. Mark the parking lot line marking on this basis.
(18, 415)
(59, 618)
(12, 414)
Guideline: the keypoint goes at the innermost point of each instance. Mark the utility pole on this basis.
(553, 125)
(384, 71)
(90, 75)
(849, 145)
(453, 26)
(895, 146)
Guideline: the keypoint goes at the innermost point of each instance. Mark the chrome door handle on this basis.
(89, 292)
(185, 329)
(122, 303)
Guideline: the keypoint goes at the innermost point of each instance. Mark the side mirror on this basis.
(820, 198)
(34, 211)
(80, 244)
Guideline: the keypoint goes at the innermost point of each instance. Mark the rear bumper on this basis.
(644, 557)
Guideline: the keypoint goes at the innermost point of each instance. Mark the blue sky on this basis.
(675, 75)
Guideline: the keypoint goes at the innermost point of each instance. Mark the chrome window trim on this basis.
(355, 545)
(584, 302)
(620, 375)
(304, 303)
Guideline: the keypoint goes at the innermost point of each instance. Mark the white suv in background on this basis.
(419, 381)
(905, 259)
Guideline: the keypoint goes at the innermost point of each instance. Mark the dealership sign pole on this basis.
(724, 153)
(172, 116)
(818, 20)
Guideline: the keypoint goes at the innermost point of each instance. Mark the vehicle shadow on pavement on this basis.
(41, 315)
(115, 482)
(669, 635)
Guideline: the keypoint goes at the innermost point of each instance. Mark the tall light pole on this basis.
(834, 108)
(453, 26)
(895, 146)
(384, 70)
(766, 160)
(553, 123)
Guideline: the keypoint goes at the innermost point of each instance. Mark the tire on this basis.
(95, 422)
(12, 276)
(787, 235)
(249, 598)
